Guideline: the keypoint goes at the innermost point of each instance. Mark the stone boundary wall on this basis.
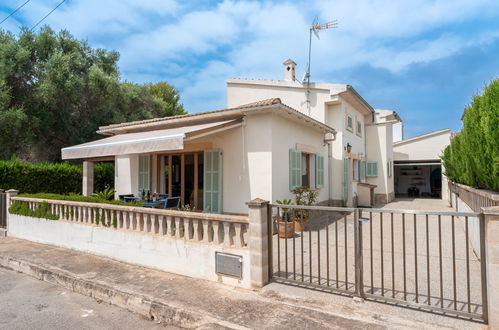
(180, 242)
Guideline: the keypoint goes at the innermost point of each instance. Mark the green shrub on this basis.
(472, 158)
(42, 210)
(80, 198)
(59, 178)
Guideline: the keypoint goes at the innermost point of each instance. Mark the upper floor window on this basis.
(349, 123)
(359, 128)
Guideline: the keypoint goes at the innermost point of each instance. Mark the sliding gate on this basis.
(422, 259)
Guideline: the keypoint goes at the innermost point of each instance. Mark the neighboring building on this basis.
(215, 161)
(361, 153)
(418, 169)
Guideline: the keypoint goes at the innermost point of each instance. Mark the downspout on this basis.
(330, 167)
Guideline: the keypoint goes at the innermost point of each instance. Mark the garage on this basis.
(418, 179)
(418, 172)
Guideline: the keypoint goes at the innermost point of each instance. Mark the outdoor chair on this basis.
(122, 197)
(172, 203)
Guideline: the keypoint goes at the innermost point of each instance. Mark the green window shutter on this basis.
(144, 172)
(319, 171)
(346, 162)
(362, 170)
(212, 187)
(372, 169)
(294, 169)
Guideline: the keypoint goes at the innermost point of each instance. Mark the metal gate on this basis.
(423, 259)
(3, 209)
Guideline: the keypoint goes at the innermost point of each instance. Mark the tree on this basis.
(55, 91)
(472, 158)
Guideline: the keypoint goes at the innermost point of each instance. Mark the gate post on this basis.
(258, 243)
(489, 258)
(359, 268)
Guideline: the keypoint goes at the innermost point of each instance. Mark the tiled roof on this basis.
(262, 103)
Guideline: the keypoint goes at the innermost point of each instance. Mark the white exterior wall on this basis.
(285, 135)
(291, 93)
(425, 148)
(126, 175)
(380, 149)
(335, 116)
(256, 159)
(172, 255)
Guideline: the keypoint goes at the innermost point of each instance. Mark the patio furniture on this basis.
(172, 203)
(154, 204)
(131, 198)
(122, 197)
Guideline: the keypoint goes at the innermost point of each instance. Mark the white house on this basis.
(218, 160)
(361, 155)
(215, 161)
(418, 169)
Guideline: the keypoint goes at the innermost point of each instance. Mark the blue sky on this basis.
(424, 59)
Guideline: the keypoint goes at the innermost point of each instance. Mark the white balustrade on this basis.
(217, 229)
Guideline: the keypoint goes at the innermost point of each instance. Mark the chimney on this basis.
(289, 70)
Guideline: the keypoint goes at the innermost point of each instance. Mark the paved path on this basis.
(26, 303)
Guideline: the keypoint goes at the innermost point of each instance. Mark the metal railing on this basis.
(414, 258)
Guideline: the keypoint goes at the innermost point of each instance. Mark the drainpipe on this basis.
(330, 166)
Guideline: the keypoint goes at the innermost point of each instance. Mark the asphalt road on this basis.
(27, 303)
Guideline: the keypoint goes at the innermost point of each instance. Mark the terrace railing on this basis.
(219, 229)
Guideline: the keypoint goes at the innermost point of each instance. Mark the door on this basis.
(212, 192)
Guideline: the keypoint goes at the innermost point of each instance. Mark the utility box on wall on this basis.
(229, 264)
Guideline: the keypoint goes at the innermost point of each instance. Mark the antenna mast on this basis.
(315, 28)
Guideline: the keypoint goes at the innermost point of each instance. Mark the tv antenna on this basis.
(314, 29)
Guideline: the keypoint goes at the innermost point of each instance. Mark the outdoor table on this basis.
(132, 199)
(154, 204)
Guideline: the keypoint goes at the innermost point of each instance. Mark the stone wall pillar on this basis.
(10, 193)
(88, 178)
(491, 215)
(258, 242)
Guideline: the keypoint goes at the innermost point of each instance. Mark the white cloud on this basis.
(197, 45)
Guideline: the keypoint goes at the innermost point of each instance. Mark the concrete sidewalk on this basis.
(183, 301)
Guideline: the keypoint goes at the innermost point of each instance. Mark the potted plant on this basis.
(303, 196)
(286, 224)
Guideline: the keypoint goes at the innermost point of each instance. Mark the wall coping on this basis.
(138, 209)
(490, 194)
(491, 210)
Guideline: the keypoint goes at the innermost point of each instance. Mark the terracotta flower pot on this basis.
(299, 223)
(286, 229)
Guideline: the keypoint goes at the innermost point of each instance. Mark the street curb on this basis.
(152, 309)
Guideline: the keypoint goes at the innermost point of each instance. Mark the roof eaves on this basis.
(423, 136)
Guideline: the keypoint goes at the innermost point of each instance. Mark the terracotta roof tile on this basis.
(262, 103)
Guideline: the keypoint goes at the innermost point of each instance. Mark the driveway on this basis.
(417, 258)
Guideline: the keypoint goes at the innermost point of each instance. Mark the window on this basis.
(359, 127)
(349, 123)
(305, 169)
(144, 172)
(355, 170)
(319, 180)
(372, 169)
(362, 171)
(294, 169)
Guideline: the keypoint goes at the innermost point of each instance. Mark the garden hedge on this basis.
(58, 178)
(472, 158)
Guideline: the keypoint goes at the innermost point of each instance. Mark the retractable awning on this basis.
(144, 142)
